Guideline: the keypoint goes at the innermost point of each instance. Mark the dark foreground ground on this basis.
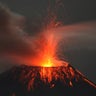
(10, 84)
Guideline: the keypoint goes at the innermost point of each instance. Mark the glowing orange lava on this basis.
(48, 53)
(46, 45)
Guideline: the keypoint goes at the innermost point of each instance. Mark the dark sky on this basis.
(72, 11)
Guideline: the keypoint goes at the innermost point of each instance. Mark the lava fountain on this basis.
(46, 58)
(46, 44)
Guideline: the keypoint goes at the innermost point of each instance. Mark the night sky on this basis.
(72, 12)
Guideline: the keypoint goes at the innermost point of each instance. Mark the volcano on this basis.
(45, 81)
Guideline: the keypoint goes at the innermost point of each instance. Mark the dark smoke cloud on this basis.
(14, 42)
(12, 38)
(79, 36)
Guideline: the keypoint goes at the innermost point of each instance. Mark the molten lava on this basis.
(47, 44)
(32, 75)
(47, 55)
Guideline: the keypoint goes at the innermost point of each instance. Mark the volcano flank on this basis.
(45, 81)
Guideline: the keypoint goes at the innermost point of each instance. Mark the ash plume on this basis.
(79, 36)
(14, 42)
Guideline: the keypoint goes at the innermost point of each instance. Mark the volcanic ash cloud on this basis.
(14, 42)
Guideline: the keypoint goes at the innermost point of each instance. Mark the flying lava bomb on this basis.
(43, 73)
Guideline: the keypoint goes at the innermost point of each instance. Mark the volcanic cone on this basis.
(45, 81)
